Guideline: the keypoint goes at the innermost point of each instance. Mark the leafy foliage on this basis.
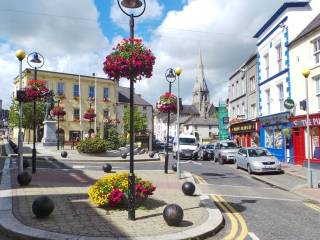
(92, 145)
(140, 121)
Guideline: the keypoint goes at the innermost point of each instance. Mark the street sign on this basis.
(225, 120)
(288, 103)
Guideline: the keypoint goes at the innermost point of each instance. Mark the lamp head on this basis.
(305, 72)
(20, 54)
(178, 71)
(170, 75)
(131, 3)
(35, 58)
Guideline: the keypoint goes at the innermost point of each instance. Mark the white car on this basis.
(188, 144)
(257, 160)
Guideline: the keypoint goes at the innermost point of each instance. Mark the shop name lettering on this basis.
(314, 121)
(243, 128)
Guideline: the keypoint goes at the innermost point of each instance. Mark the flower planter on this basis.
(167, 103)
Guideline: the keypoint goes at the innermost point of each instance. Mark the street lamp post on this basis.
(306, 73)
(171, 78)
(34, 62)
(178, 72)
(20, 54)
(58, 130)
(131, 4)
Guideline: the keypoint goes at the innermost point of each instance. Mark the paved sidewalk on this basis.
(75, 217)
(294, 180)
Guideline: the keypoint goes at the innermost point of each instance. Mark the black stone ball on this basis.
(124, 155)
(24, 178)
(188, 188)
(107, 167)
(64, 154)
(151, 154)
(42, 206)
(174, 167)
(25, 163)
(173, 214)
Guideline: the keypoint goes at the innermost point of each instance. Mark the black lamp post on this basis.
(58, 131)
(170, 77)
(131, 4)
(35, 61)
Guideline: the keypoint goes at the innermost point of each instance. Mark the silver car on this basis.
(257, 160)
(225, 151)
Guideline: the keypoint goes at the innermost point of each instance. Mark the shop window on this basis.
(269, 137)
(317, 80)
(277, 138)
(315, 143)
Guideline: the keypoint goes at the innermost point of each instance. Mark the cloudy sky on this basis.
(74, 36)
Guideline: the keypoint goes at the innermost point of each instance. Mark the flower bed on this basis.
(112, 191)
(92, 145)
(167, 103)
(130, 59)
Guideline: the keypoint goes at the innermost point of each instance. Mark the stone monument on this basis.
(49, 131)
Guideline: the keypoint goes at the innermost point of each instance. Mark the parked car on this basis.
(257, 160)
(210, 150)
(188, 144)
(225, 151)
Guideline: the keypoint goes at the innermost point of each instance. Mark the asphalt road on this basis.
(252, 209)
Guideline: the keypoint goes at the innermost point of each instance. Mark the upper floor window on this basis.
(317, 79)
(233, 111)
(232, 91)
(243, 86)
(266, 63)
(281, 97)
(238, 110)
(105, 112)
(60, 88)
(253, 110)
(76, 90)
(91, 91)
(316, 50)
(105, 92)
(76, 113)
(243, 109)
(237, 88)
(144, 107)
(252, 83)
(279, 56)
(268, 100)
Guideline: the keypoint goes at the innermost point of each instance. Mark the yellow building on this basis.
(75, 93)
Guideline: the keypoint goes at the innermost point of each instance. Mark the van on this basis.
(188, 144)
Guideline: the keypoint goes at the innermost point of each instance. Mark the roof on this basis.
(124, 97)
(189, 109)
(277, 14)
(249, 59)
(201, 121)
(313, 25)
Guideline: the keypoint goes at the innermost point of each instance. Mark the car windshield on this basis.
(188, 141)
(225, 145)
(258, 153)
(210, 146)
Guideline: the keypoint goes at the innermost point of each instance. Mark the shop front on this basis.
(275, 135)
(245, 134)
(299, 136)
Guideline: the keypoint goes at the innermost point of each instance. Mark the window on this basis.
(279, 56)
(91, 91)
(238, 110)
(125, 106)
(281, 97)
(46, 83)
(233, 111)
(266, 63)
(210, 126)
(317, 79)
(268, 100)
(105, 92)
(315, 143)
(252, 84)
(237, 89)
(316, 50)
(277, 138)
(253, 110)
(195, 127)
(269, 137)
(76, 90)
(243, 110)
(60, 88)
(76, 114)
(106, 113)
(243, 86)
(232, 92)
(144, 108)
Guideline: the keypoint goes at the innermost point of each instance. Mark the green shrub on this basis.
(92, 145)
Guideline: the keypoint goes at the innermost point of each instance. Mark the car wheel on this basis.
(236, 164)
(249, 169)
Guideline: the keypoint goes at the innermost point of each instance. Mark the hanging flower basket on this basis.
(106, 99)
(36, 90)
(58, 111)
(89, 115)
(91, 99)
(110, 121)
(130, 59)
(167, 103)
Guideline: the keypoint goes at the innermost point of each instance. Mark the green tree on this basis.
(113, 142)
(140, 121)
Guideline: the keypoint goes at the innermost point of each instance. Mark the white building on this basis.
(274, 80)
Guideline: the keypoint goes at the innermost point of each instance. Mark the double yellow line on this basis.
(313, 206)
(234, 217)
(199, 179)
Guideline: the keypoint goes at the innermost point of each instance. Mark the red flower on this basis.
(167, 103)
(58, 111)
(36, 91)
(89, 115)
(115, 197)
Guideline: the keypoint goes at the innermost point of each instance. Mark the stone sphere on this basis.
(25, 163)
(173, 214)
(124, 155)
(64, 154)
(24, 178)
(188, 188)
(174, 167)
(151, 154)
(107, 167)
(42, 206)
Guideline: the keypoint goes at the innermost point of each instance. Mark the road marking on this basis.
(239, 186)
(234, 222)
(199, 179)
(244, 228)
(313, 206)
(253, 236)
(78, 166)
(263, 198)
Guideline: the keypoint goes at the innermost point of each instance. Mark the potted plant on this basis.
(89, 114)
(167, 103)
(130, 59)
(106, 99)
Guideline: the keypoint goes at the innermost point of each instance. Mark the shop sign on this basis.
(245, 127)
(274, 119)
(288, 104)
(303, 122)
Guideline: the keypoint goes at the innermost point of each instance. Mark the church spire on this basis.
(200, 84)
